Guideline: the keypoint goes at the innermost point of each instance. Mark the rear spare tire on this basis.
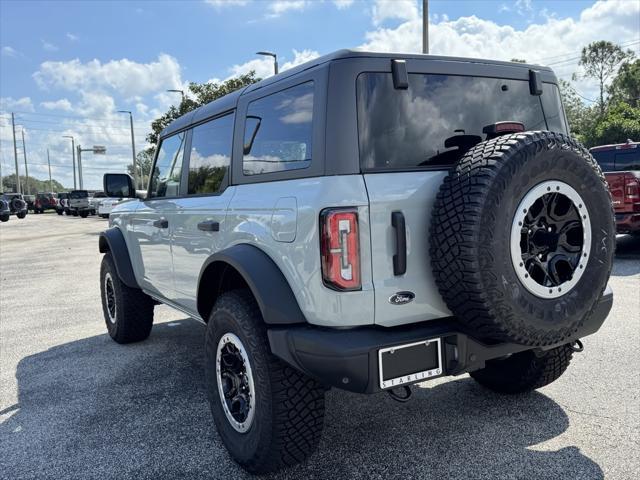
(523, 238)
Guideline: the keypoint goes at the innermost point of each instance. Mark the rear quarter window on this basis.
(278, 131)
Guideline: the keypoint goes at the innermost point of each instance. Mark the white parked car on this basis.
(105, 206)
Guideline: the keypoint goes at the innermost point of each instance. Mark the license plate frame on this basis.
(423, 373)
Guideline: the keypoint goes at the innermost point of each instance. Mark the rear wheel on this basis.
(524, 371)
(21, 214)
(268, 414)
(4, 218)
(84, 214)
(128, 312)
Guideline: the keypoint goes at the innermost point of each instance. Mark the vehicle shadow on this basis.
(627, 256)
(95, 409)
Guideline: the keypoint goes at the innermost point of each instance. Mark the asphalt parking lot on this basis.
(74, 404)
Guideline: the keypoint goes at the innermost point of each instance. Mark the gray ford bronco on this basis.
(365, 221)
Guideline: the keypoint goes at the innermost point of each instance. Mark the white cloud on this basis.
(23, 104)
(278, 7)
(394, 9)
(552, 40)
(72, 37)
(226, 3)
(263, 66)
(62, 104)
(523, 7)
(49, 47)
(8, 51)
(124, 76)
(341, 4)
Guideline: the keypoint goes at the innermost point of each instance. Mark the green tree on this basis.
(601, 61)
(621, 122)
(144, 159)
(35, 185)
(625, 87)
(581, 118)
(203, 93)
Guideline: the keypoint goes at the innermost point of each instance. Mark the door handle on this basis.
(161, 223)
(209, 226)
(400, 258)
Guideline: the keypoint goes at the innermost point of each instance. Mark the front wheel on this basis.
(128, 312)
(4, 218)
(524, 371)
(21, 214)
(268, 414)
(84, 214)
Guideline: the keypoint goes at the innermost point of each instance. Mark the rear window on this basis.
(618, 159)
(439, 117)
(79, 194)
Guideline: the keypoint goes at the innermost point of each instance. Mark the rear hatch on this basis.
(79, 199)
(408, 139)
(621, 164)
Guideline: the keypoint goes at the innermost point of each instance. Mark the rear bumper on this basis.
(627, 222)
(348, 358)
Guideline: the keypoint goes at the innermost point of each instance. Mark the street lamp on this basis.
(181, 92)
(275, 60)
(133, 148)
(96, 149)
(73, 153)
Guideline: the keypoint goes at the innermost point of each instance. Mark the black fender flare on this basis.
(112, 240)
(267, 283)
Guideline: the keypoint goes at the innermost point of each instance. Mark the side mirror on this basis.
(118, 185)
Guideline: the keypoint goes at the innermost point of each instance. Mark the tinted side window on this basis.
(165, 181)
(278, 131)
(605, 160)
(210, 155)
(629, 160)
(552, 106)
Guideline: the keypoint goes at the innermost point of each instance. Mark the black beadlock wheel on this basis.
(522, 238)
(268, 414)
(128, 312)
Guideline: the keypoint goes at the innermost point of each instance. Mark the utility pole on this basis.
(73, 154)
(425, 26)
(133, 146)
(80, 166)
(26, 168)
(49, 162)
(15, 152)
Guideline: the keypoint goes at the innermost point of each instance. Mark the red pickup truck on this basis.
(621, 166)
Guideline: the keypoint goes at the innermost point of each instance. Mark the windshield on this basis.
(439, 117)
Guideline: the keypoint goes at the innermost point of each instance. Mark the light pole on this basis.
(175, 90)
(15, 152)
(275, 60)
(133, 148)
(49, 162)
(26, 168)
(425, 26)
(73, 154)
(96, 149)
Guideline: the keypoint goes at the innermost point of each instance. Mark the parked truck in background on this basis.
(621, 166)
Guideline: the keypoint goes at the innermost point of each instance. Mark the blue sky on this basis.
(68, 66)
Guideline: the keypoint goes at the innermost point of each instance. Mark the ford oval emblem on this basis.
(401, 298)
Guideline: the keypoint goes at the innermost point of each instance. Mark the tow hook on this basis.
(401, 398)
(577, 346)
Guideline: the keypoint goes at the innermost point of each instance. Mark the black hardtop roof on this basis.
(228, 102)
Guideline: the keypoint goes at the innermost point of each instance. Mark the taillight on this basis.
(631, 189)
(340, 249)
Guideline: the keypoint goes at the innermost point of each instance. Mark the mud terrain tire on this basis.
(471, 238)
